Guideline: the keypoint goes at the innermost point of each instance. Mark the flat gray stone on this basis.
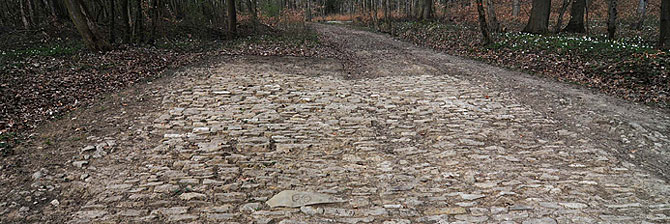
(192, 195)
(545, 220)
(295, 199)
(471, 197)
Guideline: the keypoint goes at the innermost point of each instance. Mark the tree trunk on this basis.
(561, 12)
(586, 17)
(308, 11)
(232, 18)
(494, 26)
(664, 39)
(254, 15)
(139, 22)
(4, 18)
(31, 12)
(125, 15)
(576, 23)
(427, 10)
(423, 9)
(486, 37)
(88, 30)
(154, 20)
(611, 19)
(641, 13)
(375, 19)
(538, 22)
(516, 7)
(112, 22)
(24, 16)
(51, 9)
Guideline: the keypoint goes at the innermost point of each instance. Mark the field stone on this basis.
(545, 220)
(309, 210)
(80, 164)
(192, 195)
(295, 199)
(37, 175)
(471, 197)
(250, 207)
(446, 211)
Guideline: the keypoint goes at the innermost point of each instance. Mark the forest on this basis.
(102, 23)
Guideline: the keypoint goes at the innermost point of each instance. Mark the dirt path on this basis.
(400, 134)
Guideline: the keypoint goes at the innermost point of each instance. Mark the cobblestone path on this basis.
(413, 145)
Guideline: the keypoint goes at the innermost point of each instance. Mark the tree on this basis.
(539, 17)
(423, 10)
(387, 20)
(125, 15)
(486, 37)
(139, 22)
(232, 18)
(308, 11)
(576, 23)
(86, 27)
(516, 7)
(112, 22)
(611, 19)
(494, 25)
(24, 16)
(641, 12)
(664, 38)
(154, 20)
(561, 12)
(253, 11)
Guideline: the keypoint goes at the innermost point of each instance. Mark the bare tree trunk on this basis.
(494, 26)
(4, 18)
(139, 22)
(86, 27)
(486, 37)
(561, 12)
(611, 19)
(254, 15)
(232, 18)
(375, 19)
(664, 38)
(31, 12)
(154, 20)
(516, 7)
(24, 17)
(539, 17)
(586, 17)
(641, 13)
(125, 15)
(112, 22)
(51, 10)
(576, 23)
(428, 10)
(387, 21)
(308, 11)
(423, 9)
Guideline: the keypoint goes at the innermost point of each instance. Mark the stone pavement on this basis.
(395, 149)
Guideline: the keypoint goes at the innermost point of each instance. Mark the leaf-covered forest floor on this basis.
(629, 67)
(44, 74)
